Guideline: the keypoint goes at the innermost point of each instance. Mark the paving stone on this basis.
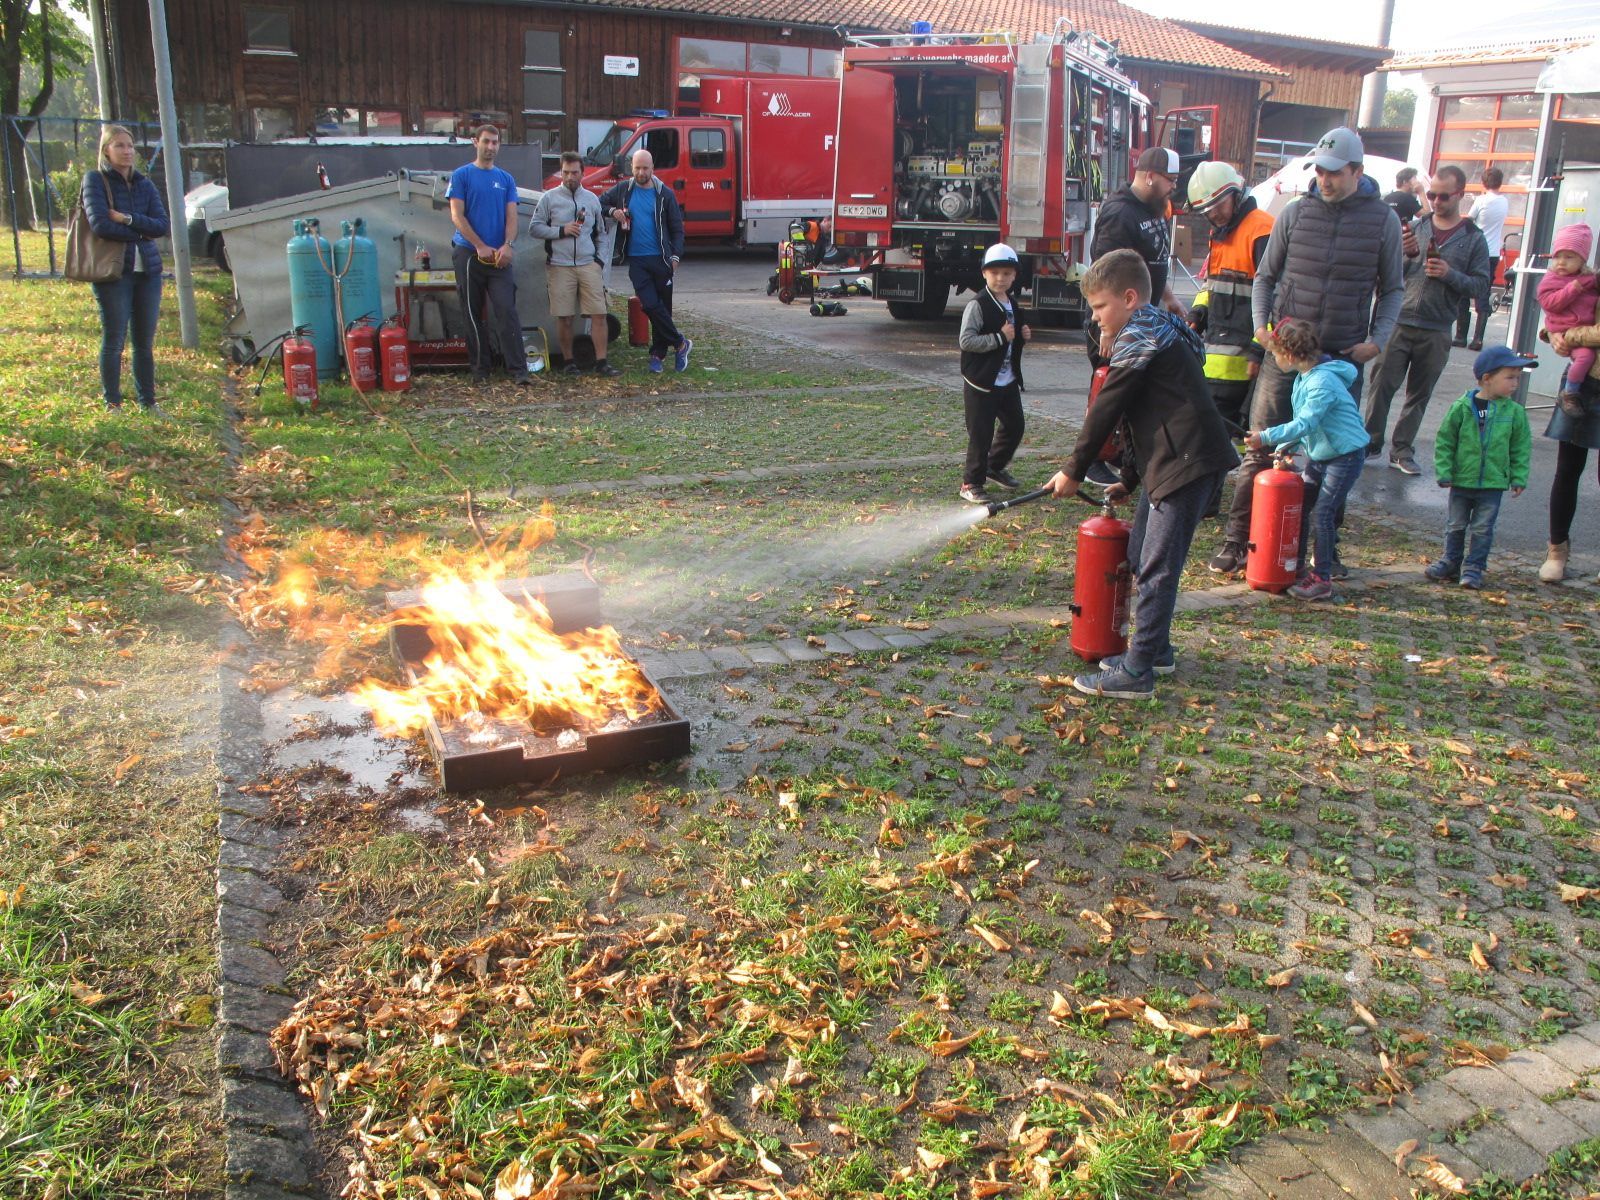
(1438, 1107)
(254, 1158)
(253, 1008)
(835, 643)
(693, 662)
(1501, 1152)
(1282, 1171)
(1575, 1052)
(1522, 1112)
(766, 654)
(1589, 1032)
(1537, 1072)
(1583, 1111)
(245, 1052)
(800, 650)
(909, 640)
(235, 827)
(244, 856)
(266, 1106)
(1387, 1128)
(729, 658)
(1449, 1156)
(249, 965)
(230, 800)
(1348, 1159)
(236, 923)
(1224, 1182)
(249, 889)
(865, 639)
(259, 1191)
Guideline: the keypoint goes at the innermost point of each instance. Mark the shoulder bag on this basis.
(90, 257)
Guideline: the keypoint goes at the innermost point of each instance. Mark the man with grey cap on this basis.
(1331, 252)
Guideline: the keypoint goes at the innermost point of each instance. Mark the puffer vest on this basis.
(1331, 273)
(981, 368)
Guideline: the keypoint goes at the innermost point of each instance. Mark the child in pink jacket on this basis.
(1568, 294)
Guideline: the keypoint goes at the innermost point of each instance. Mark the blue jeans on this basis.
(1157, 550)
(1333, 478)
(134, 299)
(1469, 526)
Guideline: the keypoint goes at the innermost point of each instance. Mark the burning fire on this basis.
(498, 656)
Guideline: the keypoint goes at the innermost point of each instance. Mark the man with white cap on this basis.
(991, 340)
(1331, 252)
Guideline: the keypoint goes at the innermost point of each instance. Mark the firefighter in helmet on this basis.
(1221, 312)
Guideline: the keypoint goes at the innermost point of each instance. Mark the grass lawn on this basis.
(107, 656)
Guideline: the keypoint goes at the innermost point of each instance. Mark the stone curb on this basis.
(268, 1152)
(1506, 1120)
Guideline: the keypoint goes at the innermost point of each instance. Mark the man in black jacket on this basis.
(1156, 391)
(652, 242)
(1139, 217)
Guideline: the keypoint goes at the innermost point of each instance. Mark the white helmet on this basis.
(999, 254)
(1210, 182)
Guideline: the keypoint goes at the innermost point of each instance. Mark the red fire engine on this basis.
(980, 140)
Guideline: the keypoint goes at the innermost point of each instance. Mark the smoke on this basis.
(801, 558)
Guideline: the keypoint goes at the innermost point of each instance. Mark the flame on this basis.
(498, 656)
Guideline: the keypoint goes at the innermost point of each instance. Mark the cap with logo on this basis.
(999, 255)
(1337, 148)
(1161, 159)
(1497, 357)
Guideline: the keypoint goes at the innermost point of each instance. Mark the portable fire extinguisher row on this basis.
(1100, 590)
(394, 356)
(1272, 562)
(361, 354)
(300, 367)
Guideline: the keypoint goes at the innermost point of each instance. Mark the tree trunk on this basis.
(16, 196)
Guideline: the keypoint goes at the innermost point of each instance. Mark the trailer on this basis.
(957, 141)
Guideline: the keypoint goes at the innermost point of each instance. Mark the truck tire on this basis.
(933, 304)
(905, 310)
(219, 253)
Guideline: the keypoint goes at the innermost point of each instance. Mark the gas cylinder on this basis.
(1273, 560)
(394, 356)
(1109, 450)
(361, 354)
(638, 323)
(311, 294)
(1100, 591)
(355, 261)
(300, 369)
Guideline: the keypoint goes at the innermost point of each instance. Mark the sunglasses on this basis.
(1440, 195)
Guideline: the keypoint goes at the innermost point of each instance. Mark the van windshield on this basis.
(608, 147)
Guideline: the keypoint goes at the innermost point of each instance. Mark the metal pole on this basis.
(49, 209)
(1522, 327)
(6, 124)
(188, 322)
(1376, 84)
(102, 60)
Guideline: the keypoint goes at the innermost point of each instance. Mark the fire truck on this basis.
(757, 156)
(957, 141)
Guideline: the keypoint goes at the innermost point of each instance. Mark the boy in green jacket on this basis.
(1482, 449)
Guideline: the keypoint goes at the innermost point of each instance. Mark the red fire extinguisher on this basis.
(300, 368)
(638, 323)
(1100, 591)
(394, 353)
(1273, 560)
(1109, 450)
(361, 354)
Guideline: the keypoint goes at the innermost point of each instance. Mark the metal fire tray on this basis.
(496, 753)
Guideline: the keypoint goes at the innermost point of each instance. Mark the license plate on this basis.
(863, 210)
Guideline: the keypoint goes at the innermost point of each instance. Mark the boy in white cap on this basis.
(991, 343)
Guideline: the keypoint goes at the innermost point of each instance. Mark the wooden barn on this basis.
(255, 71)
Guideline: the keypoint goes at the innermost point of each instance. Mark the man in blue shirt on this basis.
(652, 240)
(483, 208)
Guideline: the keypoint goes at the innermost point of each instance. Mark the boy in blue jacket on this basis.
(1328, 424)
(1483, 448)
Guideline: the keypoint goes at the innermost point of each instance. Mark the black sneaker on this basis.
(606, 370)
(1338, 570)
(572, 368)
(1102, 474)
(1229, 559)
(1005, 479)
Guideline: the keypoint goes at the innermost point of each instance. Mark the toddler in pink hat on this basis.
(1568, 294)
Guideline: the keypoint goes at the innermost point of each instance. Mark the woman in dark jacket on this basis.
(125, 206)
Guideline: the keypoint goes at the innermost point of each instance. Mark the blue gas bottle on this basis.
(355, 261)
(311, 294)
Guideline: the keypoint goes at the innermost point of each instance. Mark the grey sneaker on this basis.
(1312, 588)
(1406, 465)
(1338, 570)
(1229, 559)
(1443, 572)
(1165, 665)
(1117, 684)
(973, 494)
(155, 412)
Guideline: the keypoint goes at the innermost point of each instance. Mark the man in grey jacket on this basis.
(1447, 264)
(567, 219)
(1331, 252)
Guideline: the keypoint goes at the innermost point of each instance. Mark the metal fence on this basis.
(41, 169)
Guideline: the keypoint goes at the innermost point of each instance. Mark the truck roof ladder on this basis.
(1030, 141)
(985, 37)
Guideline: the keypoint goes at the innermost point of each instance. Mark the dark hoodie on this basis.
(1157, 391)
(1126, 222)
